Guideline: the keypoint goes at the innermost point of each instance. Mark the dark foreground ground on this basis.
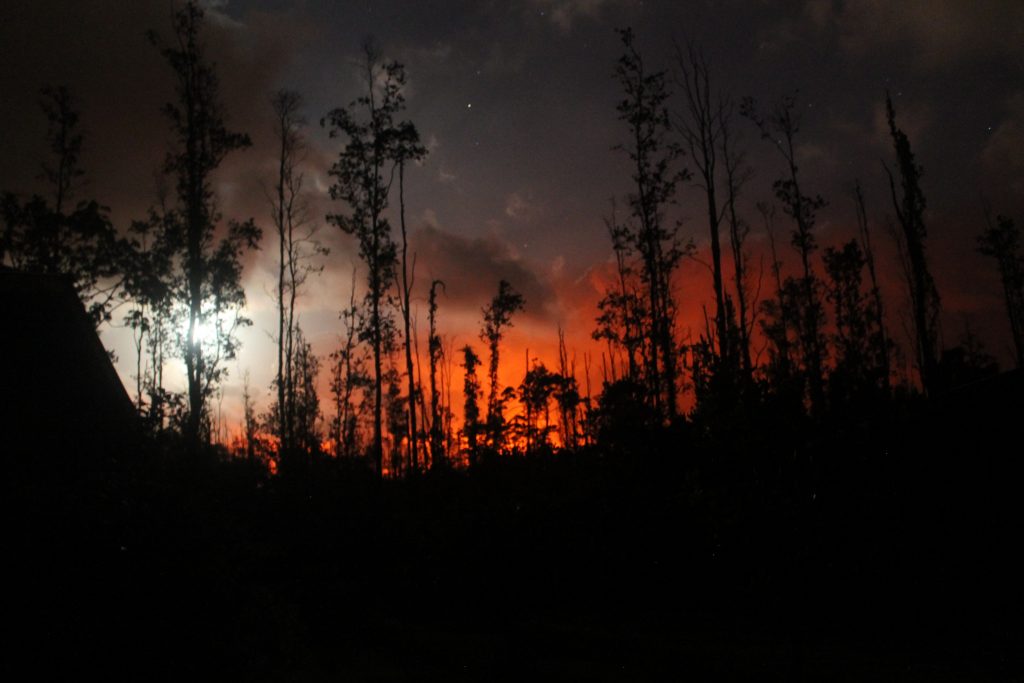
(879, 550)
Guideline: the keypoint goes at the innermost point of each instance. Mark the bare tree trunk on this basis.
(282, 265)
(701, 129)
(736, 176)
(910, 213)
(882, 345)
(783, 350)
(407, 282)
(434, 350)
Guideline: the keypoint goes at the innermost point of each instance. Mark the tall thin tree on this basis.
(909, 208)
(497, 317)
(737, 174)
(780, 127)
(407, 148)
(435, 351)
(655, 177)
(212, 271)
(471, 404)
(50, 235)
(1002, 241)
(363, 175)
(700, 125)
(621, 319)
(297, 245)
(349, 380)
(880, 340)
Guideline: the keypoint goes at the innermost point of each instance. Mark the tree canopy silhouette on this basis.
(375, 143)
(211, 289)
(48, 236)
(655, 175)
(924, 297)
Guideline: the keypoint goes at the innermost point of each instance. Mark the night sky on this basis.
(516, 103)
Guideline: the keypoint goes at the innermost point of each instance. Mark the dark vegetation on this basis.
(815, 515)
(838, 550)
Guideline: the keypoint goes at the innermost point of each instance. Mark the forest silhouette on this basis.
(770, 497)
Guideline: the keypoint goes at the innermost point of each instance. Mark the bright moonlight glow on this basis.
(206, 331)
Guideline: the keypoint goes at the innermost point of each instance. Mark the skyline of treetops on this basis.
(293, 286)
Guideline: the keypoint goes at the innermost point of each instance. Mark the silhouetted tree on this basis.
(349, 380)
(65, 141)
(567, 395)
(653, 157)
(737, 174)
(306, 406)
(363, 176)
(881, 346)
(297, 246)
(621, 414)
(153, 282)
(212, 293)
(1001, 240)
(701, 126)
(397, 419)
(780, 126)
(535, 393)
(139, 322)
(250, 424)
(857, 374)
(966, 362)
(621, 320)
(471, 406)
(407, 148)
(720, 362)
(42, 236)
(435, 351)
(924, 298)
(150, 281)
(497, 317)
(779, 315)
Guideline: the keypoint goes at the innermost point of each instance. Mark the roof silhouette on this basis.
(59, 387)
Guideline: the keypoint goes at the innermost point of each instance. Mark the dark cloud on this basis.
(471, 268)
(937, 33)
(1002, 158)
(100, 50)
